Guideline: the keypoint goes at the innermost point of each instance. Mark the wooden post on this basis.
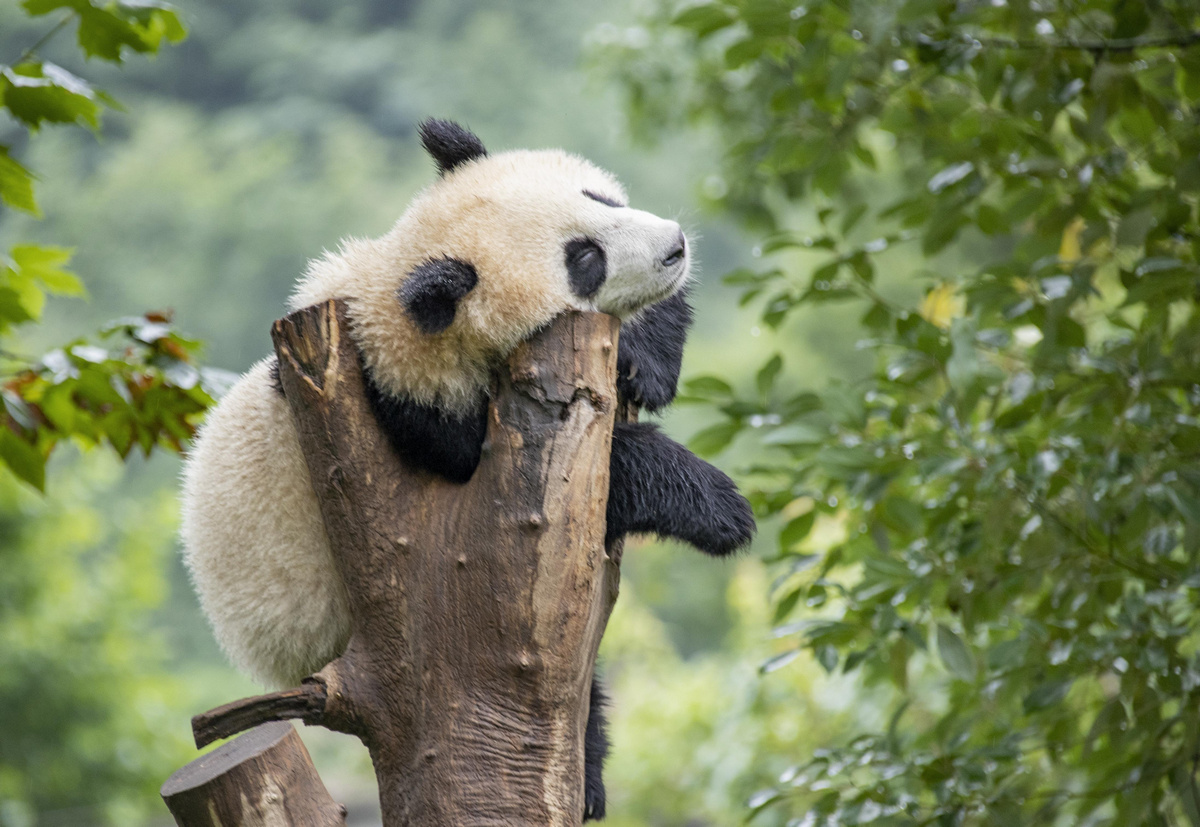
(262, 777)
(477, 608)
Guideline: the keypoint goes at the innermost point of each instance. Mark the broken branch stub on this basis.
(477, 608)
(262, 777)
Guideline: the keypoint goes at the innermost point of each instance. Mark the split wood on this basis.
(477, 608)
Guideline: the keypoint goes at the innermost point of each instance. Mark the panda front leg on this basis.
(656, 485)
(595, 750)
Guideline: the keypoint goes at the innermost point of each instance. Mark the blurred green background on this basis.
(273, 131)
(957, 373)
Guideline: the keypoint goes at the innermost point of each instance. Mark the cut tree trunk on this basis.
(263, 777)
(477, 608)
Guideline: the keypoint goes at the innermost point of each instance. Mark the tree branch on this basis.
(306, 702)
(44, 39)
(1119, 44)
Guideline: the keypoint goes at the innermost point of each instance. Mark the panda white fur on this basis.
(492, 251)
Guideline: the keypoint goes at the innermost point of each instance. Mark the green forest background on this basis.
(947, 341)
(273, 131)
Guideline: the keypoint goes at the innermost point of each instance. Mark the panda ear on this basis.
(450, 144)
(431, 292)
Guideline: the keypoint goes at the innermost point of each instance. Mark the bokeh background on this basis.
(276, 129)
(950, 350)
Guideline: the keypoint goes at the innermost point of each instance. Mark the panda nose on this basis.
(677, 251)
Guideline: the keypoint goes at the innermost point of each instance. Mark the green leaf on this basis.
(765, 379)
(1045, 695)
(23, 459)
(827, 656)
(36, 8)
(779, 661)
(45, 265)
(950, 176)
(955, 655)
(709, 386)
(37, 93)
(795, 531)
(16, 184)
(705, 19)
(963, 366)
(714, 439)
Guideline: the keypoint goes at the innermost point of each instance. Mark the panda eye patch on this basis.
(603, 199)
(587, 267)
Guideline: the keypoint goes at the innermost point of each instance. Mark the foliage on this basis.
(273, 131)
(86, 706)
(1000, 523)
(87, 710)
(144, 389)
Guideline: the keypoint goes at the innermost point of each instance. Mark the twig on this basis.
(32, 50)
(1119, 44)
(306, 702)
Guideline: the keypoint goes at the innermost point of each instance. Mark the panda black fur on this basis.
(487, 255)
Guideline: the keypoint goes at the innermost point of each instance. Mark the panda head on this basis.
(492, 251)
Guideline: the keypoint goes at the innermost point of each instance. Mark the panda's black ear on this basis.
(431, 292)
(450, 144)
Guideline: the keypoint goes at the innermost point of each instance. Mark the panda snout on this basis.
(678, 250)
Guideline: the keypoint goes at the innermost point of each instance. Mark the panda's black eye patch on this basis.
(587, 267)
(603, 199)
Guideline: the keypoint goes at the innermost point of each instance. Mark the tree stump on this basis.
(477, 608)
(262, 777)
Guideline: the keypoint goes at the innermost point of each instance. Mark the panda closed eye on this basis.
(603, 199)
(587, 266)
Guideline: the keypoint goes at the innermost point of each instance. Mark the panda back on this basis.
(254, 541)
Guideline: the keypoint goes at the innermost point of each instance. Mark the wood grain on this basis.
(264, 777)
(477, 609)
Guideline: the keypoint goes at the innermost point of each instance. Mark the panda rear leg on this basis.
(595, 750)
(657, 485)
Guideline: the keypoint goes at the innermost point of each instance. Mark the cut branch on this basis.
(306, 703)
(263, 777)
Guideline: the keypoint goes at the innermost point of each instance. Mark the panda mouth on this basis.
(668, 289)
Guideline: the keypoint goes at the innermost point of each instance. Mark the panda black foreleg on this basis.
(595, 750)
(650, 352)
(657, 485)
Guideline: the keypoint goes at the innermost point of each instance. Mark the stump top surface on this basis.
(225, 757)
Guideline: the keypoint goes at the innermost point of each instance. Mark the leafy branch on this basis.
(138, 385)
(1101, 46)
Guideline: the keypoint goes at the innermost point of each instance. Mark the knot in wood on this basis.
(525, 663)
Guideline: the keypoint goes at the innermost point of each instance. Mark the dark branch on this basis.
(1119, 44)
(306, 702)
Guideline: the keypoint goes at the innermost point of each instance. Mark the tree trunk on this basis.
(477, 608)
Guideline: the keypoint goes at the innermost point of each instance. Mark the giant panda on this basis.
(489, 253)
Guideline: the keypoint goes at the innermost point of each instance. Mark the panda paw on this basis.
(593, 799)
(730, 525)
(650, 353)
(648, 387)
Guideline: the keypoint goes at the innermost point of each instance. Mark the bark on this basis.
(264, 777)
(477, 608)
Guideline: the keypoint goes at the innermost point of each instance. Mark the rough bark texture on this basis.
(264, 777)
(477, 608)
